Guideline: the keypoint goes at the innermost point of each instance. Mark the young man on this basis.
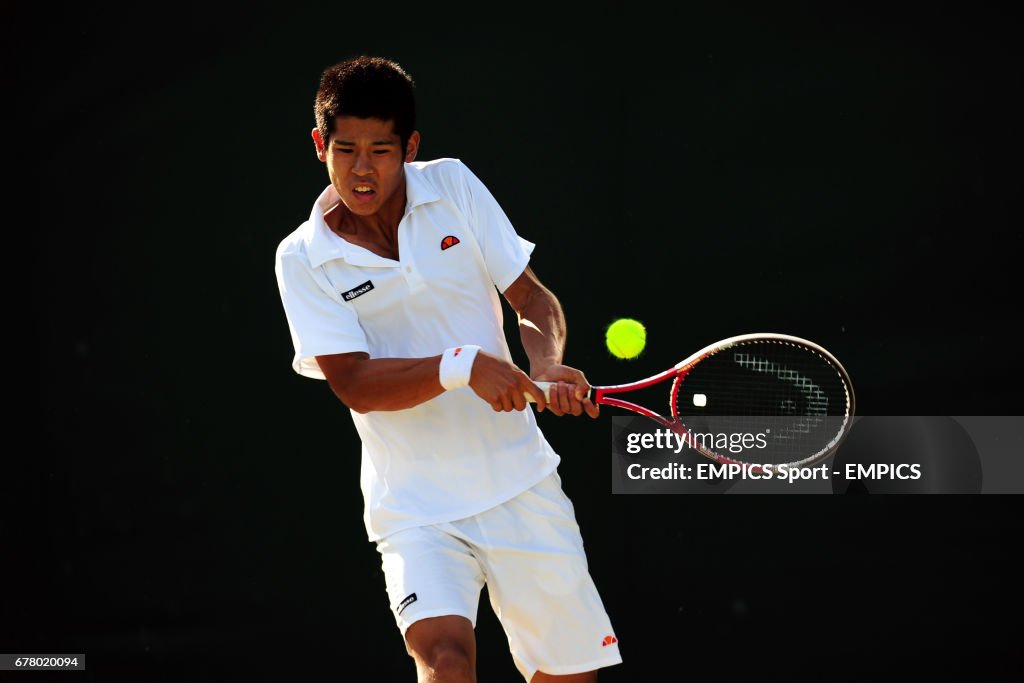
(391, 294)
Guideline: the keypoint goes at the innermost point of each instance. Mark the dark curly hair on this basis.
(366, 87)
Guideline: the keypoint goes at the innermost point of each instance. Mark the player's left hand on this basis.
(569, 395)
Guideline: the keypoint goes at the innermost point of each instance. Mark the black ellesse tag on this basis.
(409, 599)
(357, 291)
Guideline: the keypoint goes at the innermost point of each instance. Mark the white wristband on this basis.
(457, 365)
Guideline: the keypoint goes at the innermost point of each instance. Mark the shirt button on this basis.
(408, 269)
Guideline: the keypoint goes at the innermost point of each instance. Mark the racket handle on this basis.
(546, 388)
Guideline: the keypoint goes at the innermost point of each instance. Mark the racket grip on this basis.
(545, 387)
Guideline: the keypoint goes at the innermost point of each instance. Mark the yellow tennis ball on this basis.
(626, 338)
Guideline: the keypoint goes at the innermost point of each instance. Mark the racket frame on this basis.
(604, 395)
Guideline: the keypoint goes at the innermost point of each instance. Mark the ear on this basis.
(321, 149)
(412, 147)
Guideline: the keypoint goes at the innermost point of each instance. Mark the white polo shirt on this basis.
(453, 456)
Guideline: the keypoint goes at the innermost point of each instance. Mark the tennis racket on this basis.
(790, 395)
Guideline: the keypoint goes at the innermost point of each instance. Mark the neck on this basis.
(383, 222)
(378, 231)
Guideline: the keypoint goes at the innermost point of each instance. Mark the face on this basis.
(365, 162)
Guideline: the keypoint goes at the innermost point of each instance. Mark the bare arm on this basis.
(365, 384)
(383, 383)
(542, 330)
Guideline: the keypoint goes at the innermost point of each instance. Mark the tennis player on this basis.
(391, 294)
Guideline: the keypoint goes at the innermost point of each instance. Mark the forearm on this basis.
(542, 330)
(387, 383)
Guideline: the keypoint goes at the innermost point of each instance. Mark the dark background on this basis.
(187, 509)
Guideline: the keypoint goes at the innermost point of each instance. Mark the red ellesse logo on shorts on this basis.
(609, 640)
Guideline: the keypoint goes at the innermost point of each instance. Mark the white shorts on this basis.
(530, 554)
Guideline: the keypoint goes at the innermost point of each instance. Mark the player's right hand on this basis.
(502, 384)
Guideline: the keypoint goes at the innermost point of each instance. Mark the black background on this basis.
(187, 508)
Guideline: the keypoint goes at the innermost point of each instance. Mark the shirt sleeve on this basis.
(320, 324)
(506, 254)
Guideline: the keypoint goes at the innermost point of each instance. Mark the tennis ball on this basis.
(626, 338)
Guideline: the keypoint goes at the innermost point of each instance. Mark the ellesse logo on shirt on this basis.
(448, 242)
(357, 291)
(409, 599)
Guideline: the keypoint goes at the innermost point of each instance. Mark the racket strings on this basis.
(816, 399)
(766, 402)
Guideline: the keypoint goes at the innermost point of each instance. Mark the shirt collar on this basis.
(324, 245)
